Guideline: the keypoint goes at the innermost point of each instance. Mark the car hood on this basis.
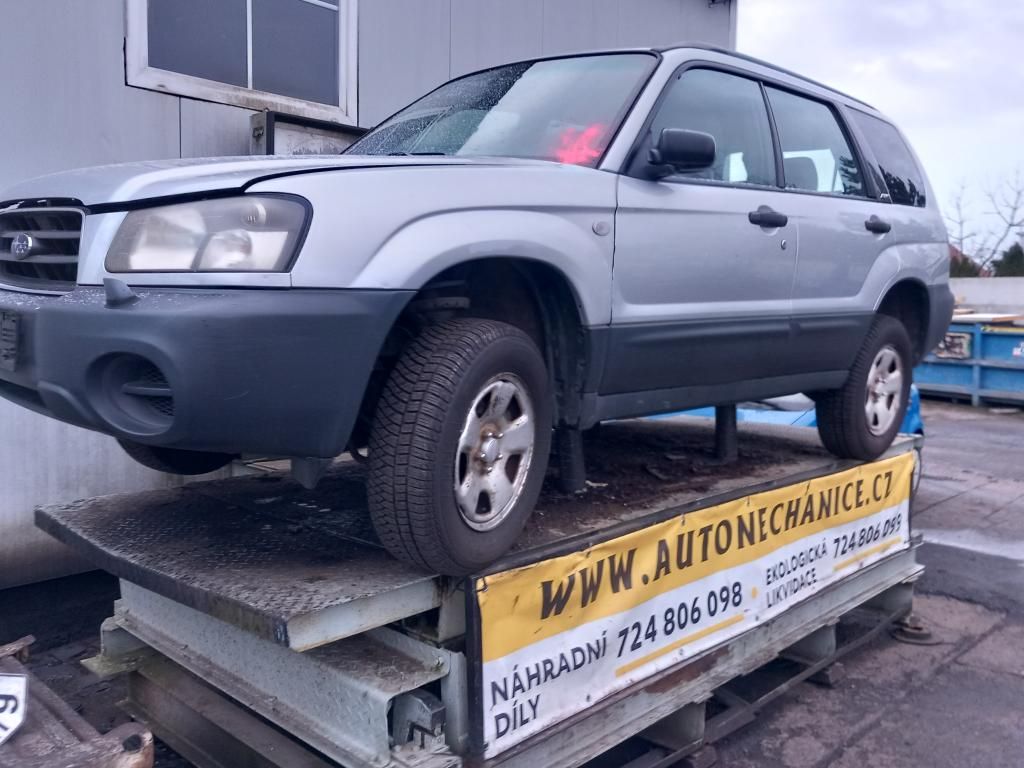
(128, 182)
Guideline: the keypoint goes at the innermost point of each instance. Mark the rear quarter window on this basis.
(903, 178)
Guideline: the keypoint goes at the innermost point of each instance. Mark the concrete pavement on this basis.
(959, 702)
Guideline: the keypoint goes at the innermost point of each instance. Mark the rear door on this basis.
(842, 230)
(702, 294)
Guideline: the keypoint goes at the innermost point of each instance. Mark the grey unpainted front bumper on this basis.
(271, 372)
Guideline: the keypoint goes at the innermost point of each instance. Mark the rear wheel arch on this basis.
(908, 302)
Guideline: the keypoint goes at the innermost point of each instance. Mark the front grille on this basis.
(39, 247)
(148, 387)
(163, 405)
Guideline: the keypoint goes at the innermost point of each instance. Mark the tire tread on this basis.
(410, 415)
(839, 411)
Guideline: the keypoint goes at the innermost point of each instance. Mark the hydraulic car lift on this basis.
(261, 624)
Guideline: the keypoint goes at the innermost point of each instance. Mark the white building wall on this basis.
(407, 47)
(990, 294)
(66, 106)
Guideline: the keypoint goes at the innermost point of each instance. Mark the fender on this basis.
(923, 263)
(463, 236)
(386, 228)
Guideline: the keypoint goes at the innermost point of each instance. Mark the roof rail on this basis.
(763, 63)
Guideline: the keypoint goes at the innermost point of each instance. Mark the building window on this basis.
(293, 56)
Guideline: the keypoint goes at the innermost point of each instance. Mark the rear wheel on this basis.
(459, 445)
(175, 461)
(860, 420)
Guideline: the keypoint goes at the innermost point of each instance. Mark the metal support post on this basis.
(572, 471)
(726, 437)
(817, 647)
(682, 730)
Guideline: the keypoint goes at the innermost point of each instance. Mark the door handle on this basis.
(767, 218)
(877, 225)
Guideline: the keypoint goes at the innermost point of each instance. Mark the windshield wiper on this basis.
(417, 154)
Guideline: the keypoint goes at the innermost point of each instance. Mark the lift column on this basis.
(726, 438)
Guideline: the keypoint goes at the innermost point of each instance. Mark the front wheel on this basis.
(175, 461)
(860, 420)
(459, 445)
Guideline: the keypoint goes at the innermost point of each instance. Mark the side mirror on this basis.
(681, 150)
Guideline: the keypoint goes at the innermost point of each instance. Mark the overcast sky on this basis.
(949, 72)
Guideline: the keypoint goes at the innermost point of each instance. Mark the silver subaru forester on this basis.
(535, 247)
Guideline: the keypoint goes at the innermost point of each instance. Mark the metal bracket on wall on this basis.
(277, 133)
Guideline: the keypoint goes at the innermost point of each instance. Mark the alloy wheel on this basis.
(494, 452)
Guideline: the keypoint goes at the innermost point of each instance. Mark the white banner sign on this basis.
(13, 698)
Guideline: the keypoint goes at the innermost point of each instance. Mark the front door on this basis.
(704, 261)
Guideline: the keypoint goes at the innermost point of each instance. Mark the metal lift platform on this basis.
(263, 624)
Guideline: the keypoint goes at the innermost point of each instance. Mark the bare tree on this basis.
(1007, 206)
(957, 221)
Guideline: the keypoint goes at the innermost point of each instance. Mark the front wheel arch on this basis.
(541, 300)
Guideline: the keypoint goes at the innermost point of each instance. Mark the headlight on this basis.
(235, 234)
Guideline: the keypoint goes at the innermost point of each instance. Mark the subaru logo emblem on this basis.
(21, 246)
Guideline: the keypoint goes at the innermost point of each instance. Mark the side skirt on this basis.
(597, 408)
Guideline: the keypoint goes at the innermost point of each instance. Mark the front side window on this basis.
(903, 178)
(296, 56)
(566, 110)
(731, 109)
(816, 155)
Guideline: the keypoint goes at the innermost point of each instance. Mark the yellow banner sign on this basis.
(566, 632)
(523, 606)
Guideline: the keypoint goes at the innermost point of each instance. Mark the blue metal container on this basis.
(982, 362)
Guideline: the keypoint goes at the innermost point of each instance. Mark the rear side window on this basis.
(816, 154)
(732, 110)
(903, 178)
